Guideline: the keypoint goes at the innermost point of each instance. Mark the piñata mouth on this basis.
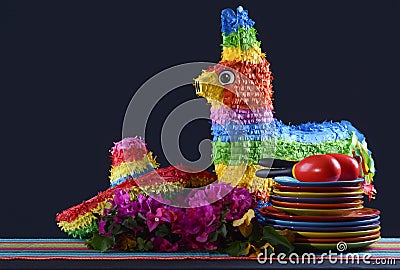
(197, 86)
(208, 86)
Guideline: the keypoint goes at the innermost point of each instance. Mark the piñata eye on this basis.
(226, 77)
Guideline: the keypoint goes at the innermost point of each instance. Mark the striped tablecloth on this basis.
(45, 250)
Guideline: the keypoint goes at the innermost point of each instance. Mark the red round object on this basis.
(349, 165)
(317, 168)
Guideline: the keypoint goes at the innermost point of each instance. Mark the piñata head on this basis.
(242, 79)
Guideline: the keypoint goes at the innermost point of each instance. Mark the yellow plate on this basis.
(316, 194)
(333, 246)
(336, 234)
(317, 212)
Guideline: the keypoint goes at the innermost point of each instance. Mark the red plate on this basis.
(337, 240)
(317, 205)
(316, 189)
(358, 214)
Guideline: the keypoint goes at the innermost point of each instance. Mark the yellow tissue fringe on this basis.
(243, 176)
(83, 221)
(138, 166)
(253, 55)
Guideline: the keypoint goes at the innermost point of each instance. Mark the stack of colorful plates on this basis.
(322, 214)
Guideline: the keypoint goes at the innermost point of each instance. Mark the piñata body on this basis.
(239, 90)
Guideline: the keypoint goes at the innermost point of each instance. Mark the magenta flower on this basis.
(151, 204)
(218, 191)
(197, 198)
(163, 245)
(102, 224)
(209, 195)
(190, 228)
(121, 197)
(369, 190)
(202, 237)
(239, 201)
(162, 215)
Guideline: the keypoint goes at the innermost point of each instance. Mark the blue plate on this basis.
(320, 224)
(317, 200)
(290, 181)
(326, 229)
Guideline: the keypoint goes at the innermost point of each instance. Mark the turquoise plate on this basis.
(290, 181)
(322, 223)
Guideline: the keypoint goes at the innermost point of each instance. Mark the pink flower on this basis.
(163, 245)
(190, 228)
(121, 197)
(102, 224)
(202, 237)
(369, 190)
(162, 215)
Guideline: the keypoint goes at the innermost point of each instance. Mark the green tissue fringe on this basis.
(243, 38)
(84, 233)
(242, 152)
(249, 152)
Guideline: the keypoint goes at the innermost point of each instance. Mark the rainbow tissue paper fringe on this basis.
(133, 170)
(130, 159)
(239, 90)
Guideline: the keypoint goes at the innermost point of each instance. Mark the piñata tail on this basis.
(134, 170)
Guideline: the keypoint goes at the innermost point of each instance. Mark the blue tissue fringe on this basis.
(230, 22)
(304, 133)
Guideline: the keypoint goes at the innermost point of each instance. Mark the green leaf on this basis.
(224, 213)
(116, 229)
(101, 242)
(237, 248)
(223, 230)
(162, 230)
(141, 216)
(140, 243)
(143, 245)
(256, 233)
(271, 236)
(130, 223)
(148, 246)
(213, 236)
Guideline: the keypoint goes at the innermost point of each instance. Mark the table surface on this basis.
(72, 253)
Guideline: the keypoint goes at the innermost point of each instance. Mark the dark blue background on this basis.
(70, 68)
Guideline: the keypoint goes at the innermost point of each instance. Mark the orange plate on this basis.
(316, 189)
(359, 214)
(336, 240)
(317, 205)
